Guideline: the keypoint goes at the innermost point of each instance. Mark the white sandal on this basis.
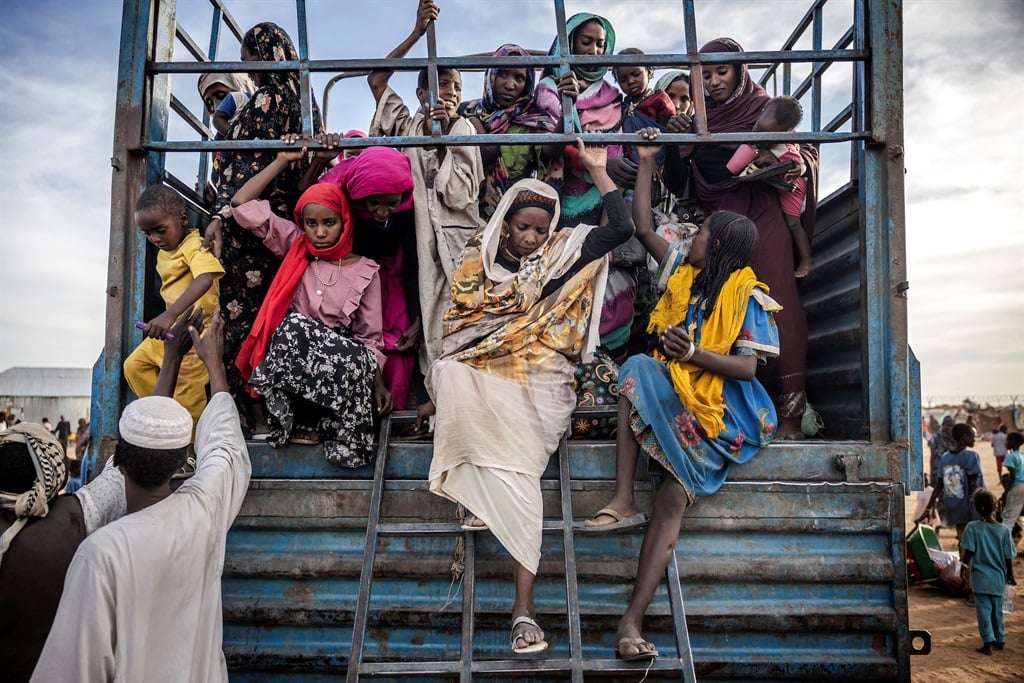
(539, 646)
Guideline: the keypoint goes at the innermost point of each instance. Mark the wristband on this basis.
(689, 352)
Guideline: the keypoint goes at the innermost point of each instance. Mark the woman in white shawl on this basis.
(526, 305)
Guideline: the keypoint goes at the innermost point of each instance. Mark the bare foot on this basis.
(805, 268)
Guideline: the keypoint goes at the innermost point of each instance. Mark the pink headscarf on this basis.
(378, 170)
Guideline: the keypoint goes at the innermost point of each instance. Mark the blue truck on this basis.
(795, 570)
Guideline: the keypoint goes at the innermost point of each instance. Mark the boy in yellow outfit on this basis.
(188, 276)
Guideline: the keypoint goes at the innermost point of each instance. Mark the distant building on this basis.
(46, 392)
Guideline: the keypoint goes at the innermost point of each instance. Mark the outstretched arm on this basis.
(255, 186)
(425, 13)
(210, 349)
(175, 350)
(655, 244)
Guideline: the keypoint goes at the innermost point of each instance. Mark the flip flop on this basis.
(621, 523)
(539, 646)
(639, 655)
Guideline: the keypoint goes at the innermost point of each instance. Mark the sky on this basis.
(964, 152)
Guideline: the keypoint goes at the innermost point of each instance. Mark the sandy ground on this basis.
(952, 622)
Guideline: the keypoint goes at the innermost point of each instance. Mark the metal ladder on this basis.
(466, 666)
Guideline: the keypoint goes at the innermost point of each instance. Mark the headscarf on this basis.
(740, 111)
(523, 111)
(378, 170)
(574, 22)
(51, 476)
(700, 390)
(268, 42)
(231, 81)
(670, 77)
(293, 266)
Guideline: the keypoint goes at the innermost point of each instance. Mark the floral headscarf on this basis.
(269, 43)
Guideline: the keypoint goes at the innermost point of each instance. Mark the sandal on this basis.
(527, 648)
(621, 523)
(638, 656)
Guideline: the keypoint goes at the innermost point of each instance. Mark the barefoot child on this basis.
(317, 341)
(188, 275)
(988, 555)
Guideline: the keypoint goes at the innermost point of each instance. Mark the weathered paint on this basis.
(790, 572)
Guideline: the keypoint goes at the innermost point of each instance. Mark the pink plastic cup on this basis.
(743, 156)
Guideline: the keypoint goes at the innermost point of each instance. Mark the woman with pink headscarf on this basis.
(378, 182)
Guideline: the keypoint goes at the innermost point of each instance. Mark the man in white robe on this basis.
(142, 598)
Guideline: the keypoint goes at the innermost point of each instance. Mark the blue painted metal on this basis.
(788, 572)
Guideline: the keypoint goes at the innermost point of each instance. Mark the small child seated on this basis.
(316, 347)
(188, 276)
(782, 115)
(643, 106)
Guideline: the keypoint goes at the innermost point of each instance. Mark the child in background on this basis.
(642, 106)
(224, 94)
(783, 115)
(999, 447)
(676, 84)
(228, 110)
(988, 555)
(188, 275)
(961, 477)
(1013, 481)
(447, 180)
(317, 344)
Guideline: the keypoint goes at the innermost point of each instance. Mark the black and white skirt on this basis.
(308, 360)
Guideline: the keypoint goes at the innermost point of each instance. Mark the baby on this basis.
(783, 115)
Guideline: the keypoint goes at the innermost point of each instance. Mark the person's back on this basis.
(988, 552)
(961, 474)
(143, 598)
(31, 583)
(999, 447)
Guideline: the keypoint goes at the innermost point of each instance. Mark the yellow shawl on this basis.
(701, 391)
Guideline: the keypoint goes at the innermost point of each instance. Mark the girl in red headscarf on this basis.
(318, 338)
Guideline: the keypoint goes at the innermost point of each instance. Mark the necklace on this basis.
(316, 271)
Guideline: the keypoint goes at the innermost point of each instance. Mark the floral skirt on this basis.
(670, 435)
(322, 366)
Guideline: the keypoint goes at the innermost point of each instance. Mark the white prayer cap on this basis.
(156, 422)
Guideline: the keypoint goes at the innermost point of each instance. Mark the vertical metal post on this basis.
(700, 110)
(859, 99)
(572, 597)
(568, 105)
(435, 126)
(682, 631)
(815, 76)
(468, 606)
(305, 91)
(204, 158)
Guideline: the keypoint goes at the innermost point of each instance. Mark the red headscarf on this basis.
(378, 170)
(740, 111)
(293, 266)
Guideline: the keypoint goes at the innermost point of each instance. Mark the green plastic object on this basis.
(919, 541)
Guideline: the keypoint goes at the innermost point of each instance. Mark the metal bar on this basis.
(913, 477)
(572, 596)
(179, 108)
(432, 84)
(675, 599)
(305, 89)
(204, 160)
(361, 613)
(858, 95)
(190, 44)
(568, 105)
(694, 58)
(840, 118)
(817, 68)
(417, 63)
(468, 607)
(897, 541)
(236, 29)
(516, 139)
(820, 68)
